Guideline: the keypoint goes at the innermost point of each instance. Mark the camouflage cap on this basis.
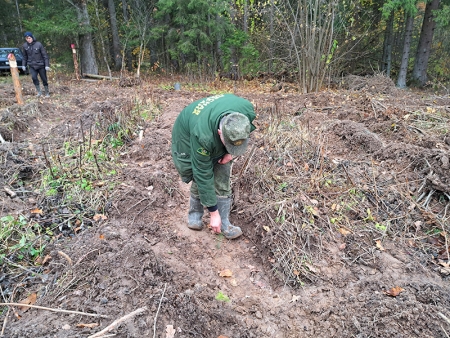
(236, 131)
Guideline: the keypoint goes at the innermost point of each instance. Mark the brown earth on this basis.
(343, 196)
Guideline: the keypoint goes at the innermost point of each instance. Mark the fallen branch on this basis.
(10, 192)
(55, 310)
(116, 323)
(444, 317)
(159, 306)
(101, 77)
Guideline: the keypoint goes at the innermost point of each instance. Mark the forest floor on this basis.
(343, 198)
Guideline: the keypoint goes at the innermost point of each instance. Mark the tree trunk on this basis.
(387, 48)
(245, 28)
(419, 74)
(87, 52)
(117, 56)
(401, 80)
(271, 35)
(128, 56)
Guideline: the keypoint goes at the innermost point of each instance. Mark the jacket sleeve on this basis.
(203, 172)
(45, 56)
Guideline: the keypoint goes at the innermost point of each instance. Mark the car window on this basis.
(4, 52)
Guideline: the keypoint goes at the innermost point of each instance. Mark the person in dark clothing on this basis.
(205, 137)
(36, 58)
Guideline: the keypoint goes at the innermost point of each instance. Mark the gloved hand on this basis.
(47, 68)
(24, 68)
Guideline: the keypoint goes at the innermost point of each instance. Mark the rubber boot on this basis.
(228, 230)
(38, 88)
(195, 214)
(47, 93)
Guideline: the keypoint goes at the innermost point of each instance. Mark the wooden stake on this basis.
(15, 78)
(75, 62)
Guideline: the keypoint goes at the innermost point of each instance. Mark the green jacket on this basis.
(196, 145)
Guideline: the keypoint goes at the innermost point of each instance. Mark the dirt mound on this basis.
(376, 84)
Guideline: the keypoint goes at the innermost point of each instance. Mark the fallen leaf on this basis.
(77, 222)
(394, 292)
(98, 217)
(102, 237)
(306, 167)
(265, 227)
(30, 300)
(46, 259)
(170, 331)
(344, 231)
(233, 282)
(313, 210)
(91, 325)
(379, 246)
(311, 267)
(226, 273)
(444, 264)
(296, 272)
(294, 298)
(334, 206)
(36, 211)
(342, 246)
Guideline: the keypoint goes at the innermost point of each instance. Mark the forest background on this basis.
(310, 42)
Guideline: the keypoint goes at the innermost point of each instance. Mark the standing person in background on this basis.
(35, 56)
(205, 137)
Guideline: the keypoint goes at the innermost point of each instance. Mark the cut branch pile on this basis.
(299, 200)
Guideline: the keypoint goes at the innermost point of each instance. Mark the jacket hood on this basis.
(28, 34)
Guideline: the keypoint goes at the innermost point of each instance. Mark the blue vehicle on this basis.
(4, 62)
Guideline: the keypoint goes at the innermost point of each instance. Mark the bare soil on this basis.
(342, 197)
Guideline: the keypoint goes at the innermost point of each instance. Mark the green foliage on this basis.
(380, 227)
(190, 29)
(442, 16)
(220, 296)
(238, 47)
(18, 237)
(409, 6)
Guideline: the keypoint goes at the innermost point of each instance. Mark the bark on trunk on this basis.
(387, 50)
(419, 74)
(117, 56)
(128, 56)
(87, 52)
(401, 80)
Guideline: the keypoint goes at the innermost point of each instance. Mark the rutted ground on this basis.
(310, 156)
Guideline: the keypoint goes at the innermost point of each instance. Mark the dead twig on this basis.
(116, 323)
(55, 310)
(157, 312)
(142, 200)
(11, 193)
(65, 256)
(444, 317)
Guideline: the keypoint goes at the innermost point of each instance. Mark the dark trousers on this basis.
(42, 73)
